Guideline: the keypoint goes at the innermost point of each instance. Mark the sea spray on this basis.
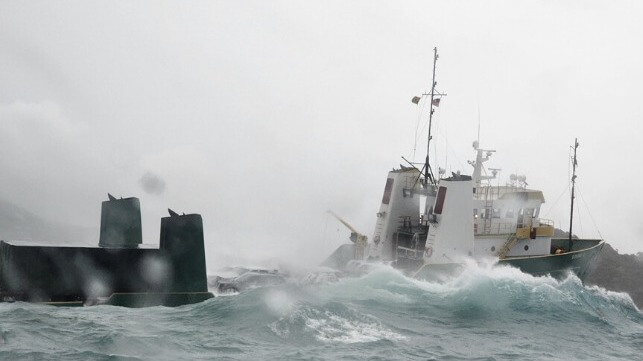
(485, 312)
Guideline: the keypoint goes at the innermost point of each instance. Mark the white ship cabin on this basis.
(506, 219)
(400, 209)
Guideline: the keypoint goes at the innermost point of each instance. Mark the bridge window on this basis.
(510, 213)
(387, 191)
(439, 201)
(496, 213)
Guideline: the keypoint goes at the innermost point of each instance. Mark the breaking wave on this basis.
(485, 313)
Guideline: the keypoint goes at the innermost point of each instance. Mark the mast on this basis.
(428, 172)
(571, 215)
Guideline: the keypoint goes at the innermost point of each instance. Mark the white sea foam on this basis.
(616, 297)
(329, 327)
(333, 324)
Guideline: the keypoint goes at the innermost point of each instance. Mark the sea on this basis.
(485, 313)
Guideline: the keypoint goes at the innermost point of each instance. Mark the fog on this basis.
(262, 115)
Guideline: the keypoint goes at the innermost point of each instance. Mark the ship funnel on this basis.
(120, 223)
(182, 240)
(451, 230)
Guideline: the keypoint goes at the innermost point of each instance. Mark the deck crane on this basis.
(356, 237)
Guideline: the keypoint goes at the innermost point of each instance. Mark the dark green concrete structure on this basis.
(121, 271)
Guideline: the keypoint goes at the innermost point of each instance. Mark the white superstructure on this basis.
(450, 225)
(463, 216)
(399, 208)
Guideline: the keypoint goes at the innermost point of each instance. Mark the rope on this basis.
(590, 214)
(417, 126)
(326, 228)
(580, 220)
(557, 199)
(418, 134)
(569, 164)
(448, 146)
(435, 143)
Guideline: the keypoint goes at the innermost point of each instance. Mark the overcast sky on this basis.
(261, 115)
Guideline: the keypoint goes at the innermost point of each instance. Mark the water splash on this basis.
(485, 312)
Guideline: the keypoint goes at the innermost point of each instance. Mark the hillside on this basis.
(21, 225)
(618, 272)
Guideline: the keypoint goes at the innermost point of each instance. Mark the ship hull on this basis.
(576, 261)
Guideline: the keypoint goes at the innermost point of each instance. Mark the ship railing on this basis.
(494, 228)
(508, 227)
(543, 223)
(493, 192)
(412, 253)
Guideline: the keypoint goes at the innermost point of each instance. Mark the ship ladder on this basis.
(488, 212)
(504, 250)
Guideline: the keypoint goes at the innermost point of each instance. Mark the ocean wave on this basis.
(332, 323)
(484, 312)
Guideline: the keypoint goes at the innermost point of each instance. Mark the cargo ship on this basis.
(120, 270)
(429, 226)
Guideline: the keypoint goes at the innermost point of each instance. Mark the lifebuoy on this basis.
(428, 251)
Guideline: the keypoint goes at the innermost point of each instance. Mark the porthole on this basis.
(493, 248)
(526, 248)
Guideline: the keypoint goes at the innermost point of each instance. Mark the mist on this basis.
(261, 116)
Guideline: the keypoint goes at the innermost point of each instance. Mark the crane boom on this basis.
(355, 235)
